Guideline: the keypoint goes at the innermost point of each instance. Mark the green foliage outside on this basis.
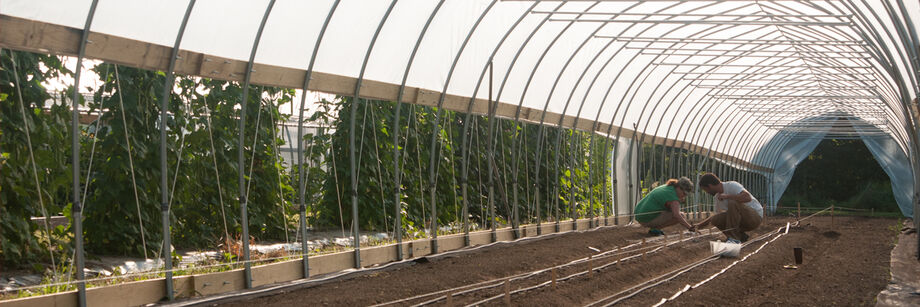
(111, 224)
(202, 136)
(841, 172)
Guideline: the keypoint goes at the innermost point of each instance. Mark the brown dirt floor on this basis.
(844, 265)
(860, 246)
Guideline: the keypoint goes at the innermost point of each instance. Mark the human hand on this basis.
(721, 196)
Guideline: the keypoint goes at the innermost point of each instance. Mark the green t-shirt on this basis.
(654, 202)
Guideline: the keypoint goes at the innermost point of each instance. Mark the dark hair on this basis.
(709, 179)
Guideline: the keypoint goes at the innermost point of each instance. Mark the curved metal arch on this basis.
(77, 208)
(244, 99)
(905, 41)
(622, 120)
(694, 139)
(464, 146)
(517, 112)
(648, 121)
(301, 180)
(351, 139)
(912, 133)
(565, 108)
(581, 106)
(434, 136)
(577, 117)
(882, 50)
(683, 101)
(609, 128)
(164, 171)
(511, 66)
(888, 107)
(568, 100)
(602, 103)
(399, 96)
(685, 97)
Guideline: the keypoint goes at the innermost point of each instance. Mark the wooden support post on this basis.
(508, 292)
(680, 235)
(590, 268)
(643, 241)
(552, 274)
(450, 299)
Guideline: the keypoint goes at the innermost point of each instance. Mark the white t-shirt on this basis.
(735, 188)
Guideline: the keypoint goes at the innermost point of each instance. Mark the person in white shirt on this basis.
(737, 211)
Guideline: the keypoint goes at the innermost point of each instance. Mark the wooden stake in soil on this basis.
(798, 211)
(832, 216)
(508, 292)
(680, 235)
(450, 299)
(553, 274)
(643, 241)
(589, 266)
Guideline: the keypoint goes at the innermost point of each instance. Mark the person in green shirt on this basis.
(661, 207)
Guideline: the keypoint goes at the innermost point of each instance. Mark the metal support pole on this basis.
(77, 209)
(397, 220)
(351, 138)
(434, 136)
(247, 266)
(301, 180)
(164, 172)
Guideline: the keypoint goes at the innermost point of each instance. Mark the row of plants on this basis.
(121, 203)
(537, 171)
(120, 164)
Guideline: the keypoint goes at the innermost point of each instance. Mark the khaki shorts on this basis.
(663, 218)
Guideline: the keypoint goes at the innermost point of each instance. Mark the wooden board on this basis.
(277, 272)
(449, 243)
(220, 282)
(151, 291)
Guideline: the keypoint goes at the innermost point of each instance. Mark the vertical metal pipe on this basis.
(435, 127)
(465, 145)
(396, 169)
(301, 180)
(491, 161)
(351, 138)
(164, 172)
(247, 266)
(76, 209)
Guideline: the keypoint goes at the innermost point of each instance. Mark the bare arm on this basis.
(674, 206)
(743, 197)
(703, 223)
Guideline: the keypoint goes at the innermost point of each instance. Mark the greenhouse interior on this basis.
(474, 152)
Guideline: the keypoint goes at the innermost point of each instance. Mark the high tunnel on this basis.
(753, 85)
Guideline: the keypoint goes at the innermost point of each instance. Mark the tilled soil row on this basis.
(433, 274)
(496, 262)
(844, 265)
(614, 279)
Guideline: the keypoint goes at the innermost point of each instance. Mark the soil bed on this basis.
(847, 265)
(844, 265)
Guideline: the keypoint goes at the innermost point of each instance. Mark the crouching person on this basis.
(661, 207)
(737, 212)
